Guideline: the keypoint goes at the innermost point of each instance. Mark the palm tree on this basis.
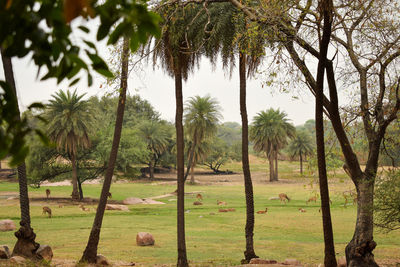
(157, 140)
(175, 51)
(270, 132)
(26, 245)
(301, 145)
(90, 253)
(201, 120)
(225, 30)
(69, 121)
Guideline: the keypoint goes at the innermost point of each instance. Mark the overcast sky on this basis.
(158, 89)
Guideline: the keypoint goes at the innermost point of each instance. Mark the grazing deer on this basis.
(109, 195)
(47, 193)
(283, 197)
(83, 208)
(61, 206)
(262, 211)
(302, 210)
(47, 210)
(221, 203)
(314, 198)
(199, 197)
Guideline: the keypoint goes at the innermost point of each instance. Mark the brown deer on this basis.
(83, 208)
(47, 210)
(47, 193)
(197, 203)
(314, 198)
(60, 206)
(302, 210)
(221, 203)
(283, 197)
(262, 211)
(199, 197)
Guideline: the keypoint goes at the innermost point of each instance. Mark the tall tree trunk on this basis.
(271, 167)
(330, 259)
(182, 258)
(248, 184)
(25, 245)
(80, 190)
(75, 193)
(276, 166)
(359, 250)
(190, 160)
(90, 253)
(151, 169)
(301, 164)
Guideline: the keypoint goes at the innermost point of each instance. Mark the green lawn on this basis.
(216, 239)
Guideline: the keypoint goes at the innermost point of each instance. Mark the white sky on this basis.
(158, 89)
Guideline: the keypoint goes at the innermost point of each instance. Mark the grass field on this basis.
(212, 238)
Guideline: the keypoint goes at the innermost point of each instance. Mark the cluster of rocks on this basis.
(44, 252)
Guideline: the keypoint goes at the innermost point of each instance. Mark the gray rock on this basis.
(7, 225)
(117, 207)
(17, 260)
(101, 260)
(292, 262)
(4, 252)
(132, 201)
(144, 239)
(45, 252)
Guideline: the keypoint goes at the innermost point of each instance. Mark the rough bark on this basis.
(151, 169)
(248, 184)
(327, 13)
(301, 163)
(90, 253)
(190, 160)
(80, 190)
(75, 193)
(182, 258)
(271, 167)
(25, 245)
(192, 173)
(276, 165)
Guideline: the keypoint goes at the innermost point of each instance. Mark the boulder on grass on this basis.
(117, 207)
(292, 262)
(132, 201)
(144, 239)
(7, 225)
(101, 260)
(262, 261)
(17, 260)
(4, 252)
(152, 201)
(45, 252)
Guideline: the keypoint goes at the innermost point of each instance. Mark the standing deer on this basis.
(47, 210)
(283, 197)
(314, 198)
(47, 193)
(199, 197)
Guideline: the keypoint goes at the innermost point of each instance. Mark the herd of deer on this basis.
(282, 196)
(47, 210)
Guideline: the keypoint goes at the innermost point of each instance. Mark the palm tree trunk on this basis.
(301, 164)
(26, 245)
(330, 258)
(271, 167)
(75, 193)
(190, 159)
(151, 169)
(276, 165)
(90, 253)
(248, 184)
(80, 190)
(182, 258)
